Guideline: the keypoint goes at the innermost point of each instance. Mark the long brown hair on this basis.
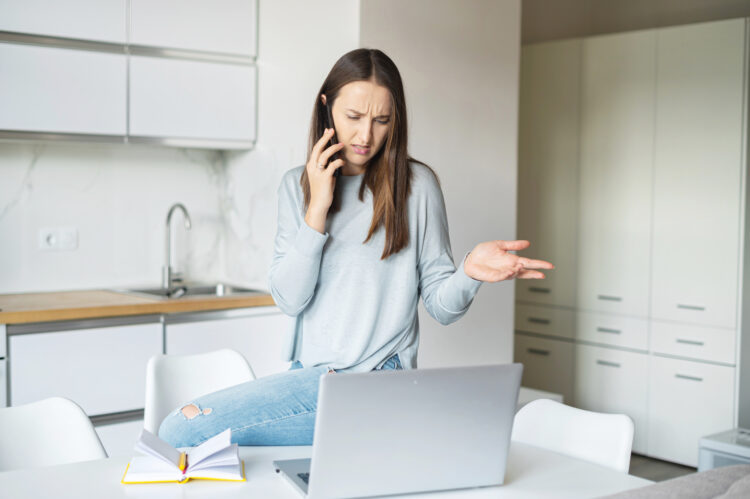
(388, 174)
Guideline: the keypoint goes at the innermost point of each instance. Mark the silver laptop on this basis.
(398, 432)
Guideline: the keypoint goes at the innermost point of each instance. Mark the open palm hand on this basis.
(491, 261)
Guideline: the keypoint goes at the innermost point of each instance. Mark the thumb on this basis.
(513, 245)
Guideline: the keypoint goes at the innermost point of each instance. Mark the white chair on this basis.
(604, 439)
(47, 432)
(172, 380)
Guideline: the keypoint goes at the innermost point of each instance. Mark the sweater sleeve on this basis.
(296, 255)
(446, 292)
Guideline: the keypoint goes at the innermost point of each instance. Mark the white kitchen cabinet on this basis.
(103, 369)
(544, 320)
(612, 330)
(96, 20)
(119, 438)
(687, 400)
(177, 98)
(258, 334)
(614, 381)
(48, 89)
(617, 106)
(227, 26)
(697, 172)
(548, 159)
(3, 382)
(694, 342)
(547, 364)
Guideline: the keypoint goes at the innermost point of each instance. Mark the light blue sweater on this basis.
(353, 310)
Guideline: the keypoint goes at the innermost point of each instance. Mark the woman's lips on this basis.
(360, 149)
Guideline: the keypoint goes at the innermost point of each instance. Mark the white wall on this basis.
(460, 66)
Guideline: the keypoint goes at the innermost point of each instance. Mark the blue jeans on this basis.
(274, 410)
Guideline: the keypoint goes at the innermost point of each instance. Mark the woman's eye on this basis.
(353, 117)
(383, 122)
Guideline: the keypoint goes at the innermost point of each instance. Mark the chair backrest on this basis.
(172, 380)
(605, 439)
(47, 432)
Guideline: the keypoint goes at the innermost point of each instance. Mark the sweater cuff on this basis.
(464, 280)
(309, 241)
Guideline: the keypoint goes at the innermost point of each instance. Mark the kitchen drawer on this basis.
(615, 330)
(696, 342)
(687, 400)
(614, 381)
(548, 364)
(102, 369)
(544, 320)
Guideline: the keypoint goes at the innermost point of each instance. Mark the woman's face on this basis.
(362, 118)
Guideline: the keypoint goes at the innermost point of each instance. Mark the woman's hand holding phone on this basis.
(322, 182)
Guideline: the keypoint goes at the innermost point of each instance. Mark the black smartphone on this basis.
(334, 140)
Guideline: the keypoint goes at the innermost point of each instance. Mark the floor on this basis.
(655, 469)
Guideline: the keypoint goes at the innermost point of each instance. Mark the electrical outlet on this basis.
(58, 239)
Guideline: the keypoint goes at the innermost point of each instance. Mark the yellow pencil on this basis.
(183, 461)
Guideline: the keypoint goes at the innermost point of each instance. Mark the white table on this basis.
(532, 472)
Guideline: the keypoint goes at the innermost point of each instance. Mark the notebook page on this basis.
(225, 457)
(151, 445)
(209, 447)
(150, 469)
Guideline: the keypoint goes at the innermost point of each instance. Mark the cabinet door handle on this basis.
(537, 320)
(607, 363)
(609, 298)
(691, 307)
(608, 330)
(685, 376)
(690, 342)
(535, 289)
(537, 351)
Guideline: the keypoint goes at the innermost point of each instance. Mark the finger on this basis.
(321, 143)
(333, 166)
(530, 274)
(535, 264)
(513, 245)
(326, 155)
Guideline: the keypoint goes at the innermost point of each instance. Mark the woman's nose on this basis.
(365, 132)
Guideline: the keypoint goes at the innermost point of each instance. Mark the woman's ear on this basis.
(323, 98)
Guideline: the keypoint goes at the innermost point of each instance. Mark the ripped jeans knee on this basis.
(181, 429)
(192, 411)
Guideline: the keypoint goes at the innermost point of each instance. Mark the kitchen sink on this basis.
(196, 289)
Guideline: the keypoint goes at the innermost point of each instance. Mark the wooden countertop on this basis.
(67, 305)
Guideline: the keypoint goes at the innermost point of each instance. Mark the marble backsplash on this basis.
(117, 197)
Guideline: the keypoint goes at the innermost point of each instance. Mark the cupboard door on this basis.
(548, 173)
(614, 330)
(687, 401)
(547, 364)
(102, 369)
(259, 338)
(698, 171)
(177, 98)
(62, 90)
(227, 26)
(544, 320)
(617, 106)
(614, 381)
(97, 20)
(3, 383)
(697, 342)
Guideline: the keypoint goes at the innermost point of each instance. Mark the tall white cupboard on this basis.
(632, 164)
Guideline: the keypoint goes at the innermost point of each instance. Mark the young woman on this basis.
(353, 254)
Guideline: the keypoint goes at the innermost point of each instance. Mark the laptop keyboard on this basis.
(305, 477)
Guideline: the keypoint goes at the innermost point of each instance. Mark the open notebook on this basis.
(157, 461)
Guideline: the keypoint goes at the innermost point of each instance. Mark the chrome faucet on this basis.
(167, 275)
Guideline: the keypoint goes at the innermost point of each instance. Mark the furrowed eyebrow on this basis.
(357, 112)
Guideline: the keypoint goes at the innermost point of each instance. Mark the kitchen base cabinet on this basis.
(119, 439)
(687, 401)
(3, 383)
(614, 381)
(547, 364)
(258, 334)
(102, 369)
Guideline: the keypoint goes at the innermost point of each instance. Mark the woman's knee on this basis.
(179, 428)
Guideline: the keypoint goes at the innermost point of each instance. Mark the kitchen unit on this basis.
(158, 72)
(632, 181)
(98, 358)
